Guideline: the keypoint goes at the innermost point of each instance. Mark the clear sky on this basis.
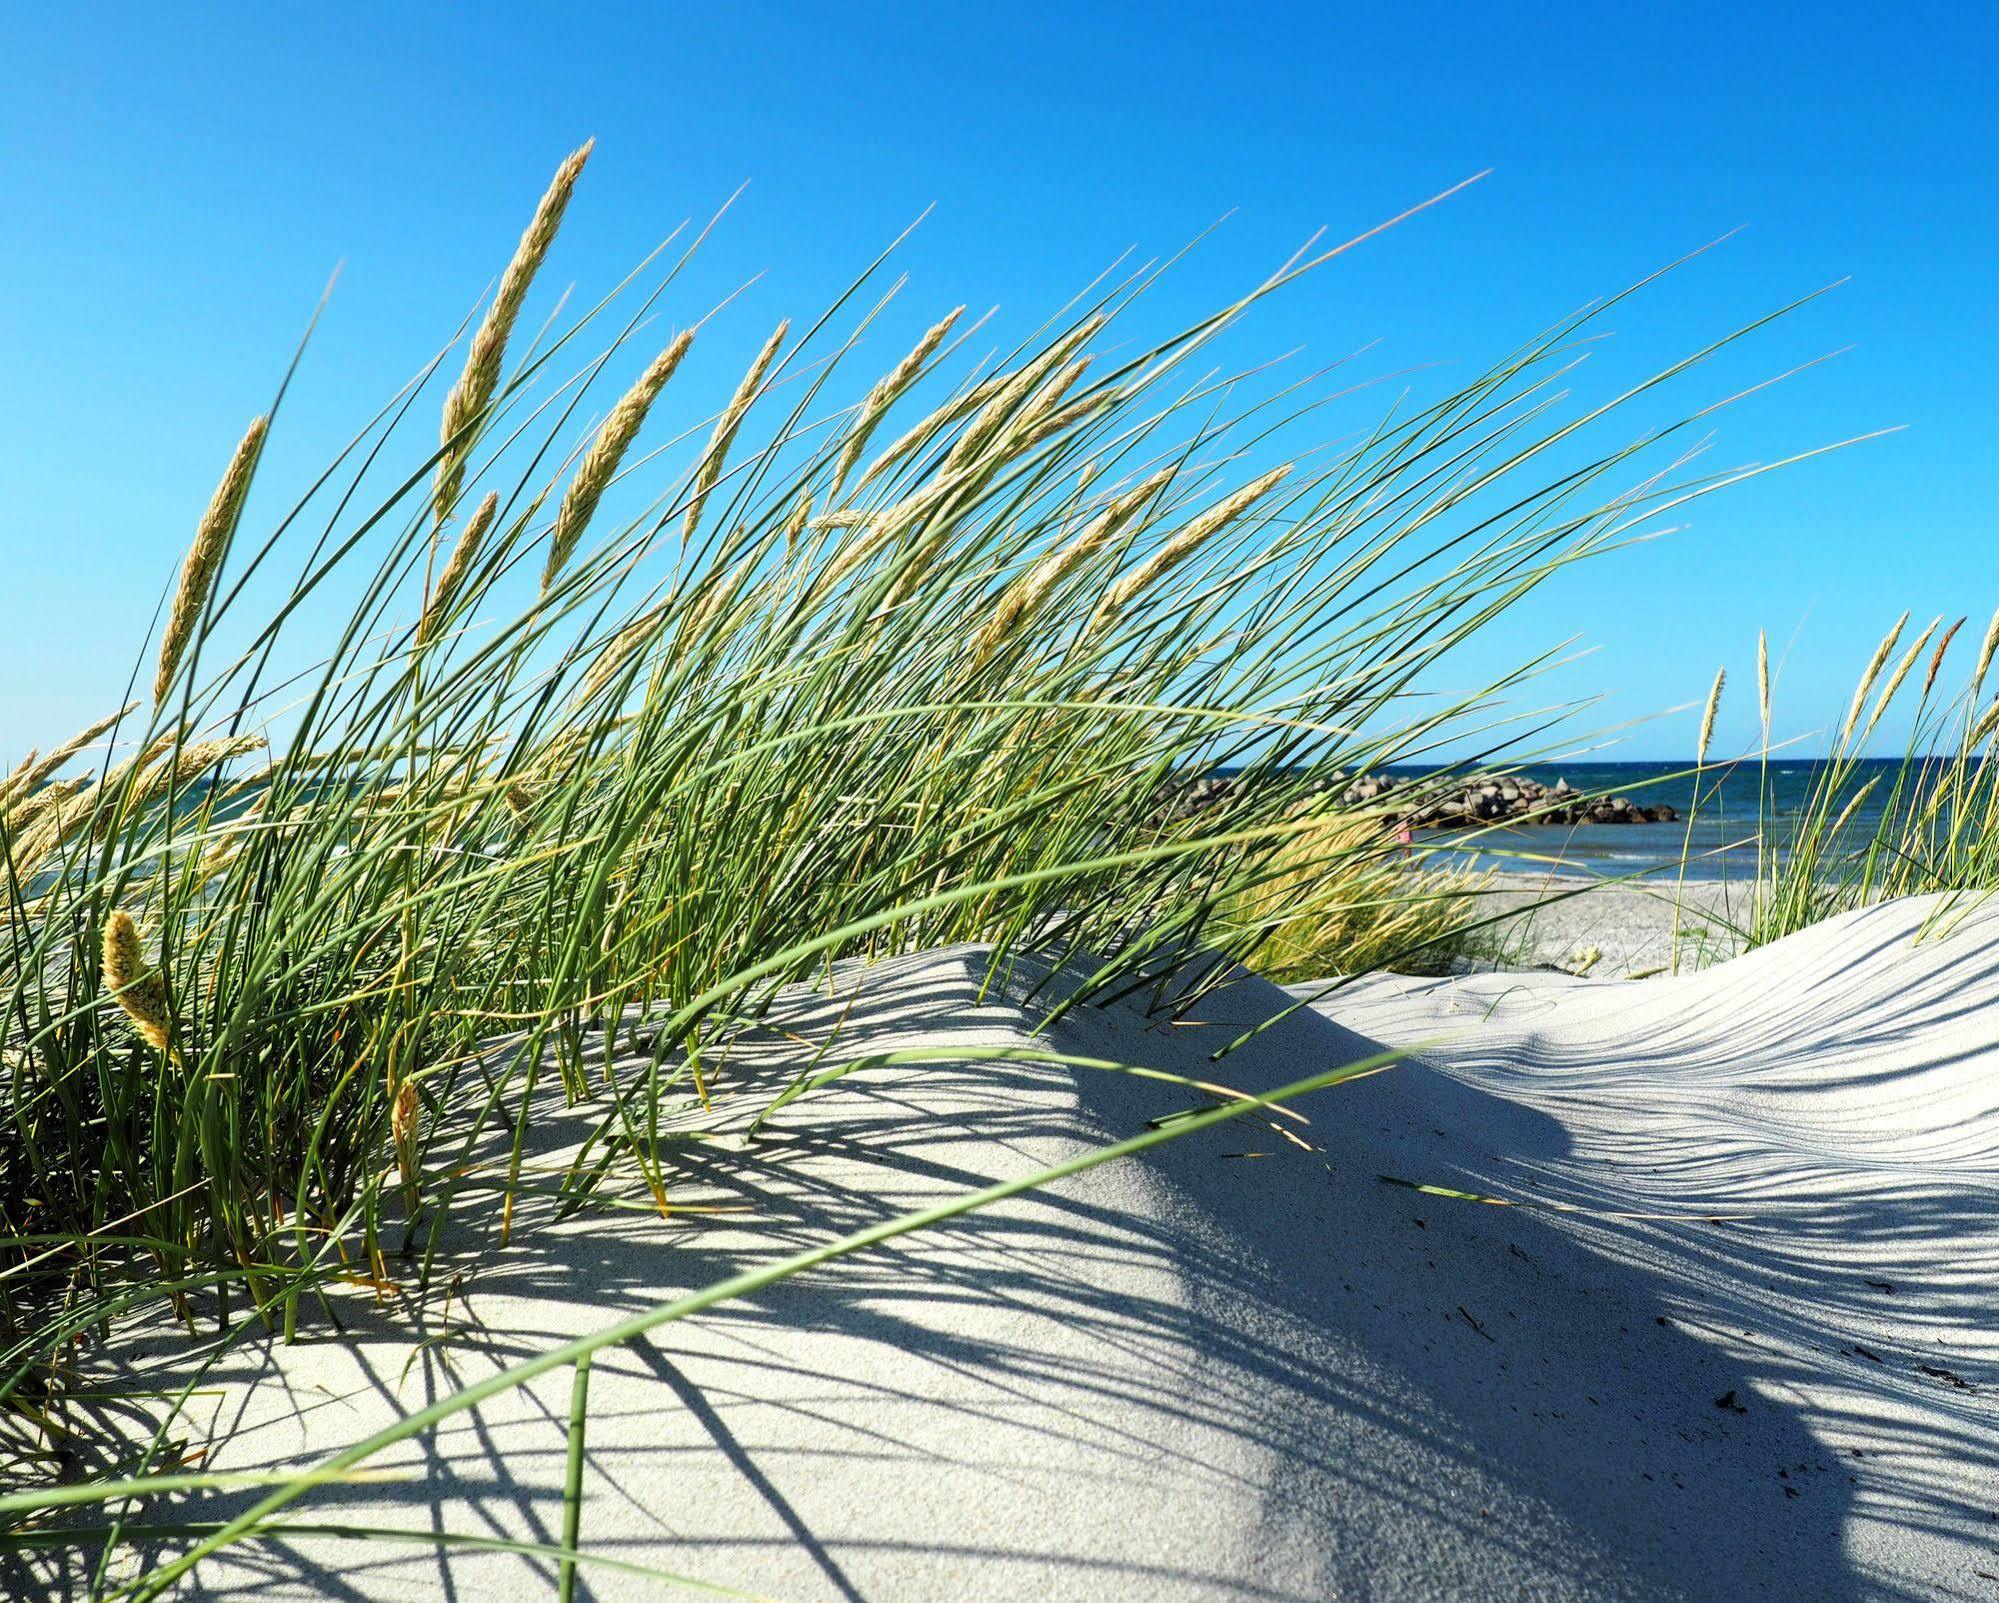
(178, 182)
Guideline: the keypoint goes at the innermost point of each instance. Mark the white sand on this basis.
(1634, 927)
(1239, 1369)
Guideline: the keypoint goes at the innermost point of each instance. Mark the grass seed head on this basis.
(405, 1126)
(139, 988)
(1707, 717)
(194, 761)
(1936, 658)
(1895, 679)
(474, 390)
(1024, 598)
(888, 391)
(445, 591)
(600, 463)
(204, 557)
(32, 773)
(1985, 651)
(1984, 727)
(1183, 544)
(1869, 675)
(710, 469)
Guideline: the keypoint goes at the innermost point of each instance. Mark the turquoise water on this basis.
(1723, 837)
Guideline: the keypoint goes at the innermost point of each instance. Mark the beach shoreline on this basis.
(1555, 919)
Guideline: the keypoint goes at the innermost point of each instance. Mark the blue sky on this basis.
(179, 182)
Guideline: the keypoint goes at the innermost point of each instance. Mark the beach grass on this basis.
(608, 708)
(1865, 832)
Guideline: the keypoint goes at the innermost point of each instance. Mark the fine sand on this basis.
(1735, 1339)
(1556, 920)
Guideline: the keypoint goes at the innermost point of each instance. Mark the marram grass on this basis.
(735, 707)
(1933, 810)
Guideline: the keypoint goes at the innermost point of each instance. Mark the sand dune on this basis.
(1242, 1367)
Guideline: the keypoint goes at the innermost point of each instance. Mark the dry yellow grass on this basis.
(1340, 899)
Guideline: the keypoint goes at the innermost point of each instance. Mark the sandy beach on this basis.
(1555, 920)
(1042, 828)
(1728, 1337)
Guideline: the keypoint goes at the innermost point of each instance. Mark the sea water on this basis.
(1720, 843)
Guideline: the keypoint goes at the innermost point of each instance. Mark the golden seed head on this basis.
(1046, 402)
(1024, 598)
(600, 463)
(1061, 419)
(1867, 678)
(727, 425)
(445, 591)
(405, 1126)
(17, 816)
(140, 990)
(191, 764)
(1012, 389)
(1984, 726)
(474, 390)
(620, 651)
(1895, 679)
(1985, 651)
(888, 391)
(928, 426)
(879, 527)
(1183, 544)
(1936, 659)
(794, 526)
(204, 557)
(1763, 680)
(31, 773)
(1707, 718)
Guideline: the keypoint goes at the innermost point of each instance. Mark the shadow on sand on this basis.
(1242, 1366)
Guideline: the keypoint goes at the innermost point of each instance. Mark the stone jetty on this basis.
(1424, 802)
